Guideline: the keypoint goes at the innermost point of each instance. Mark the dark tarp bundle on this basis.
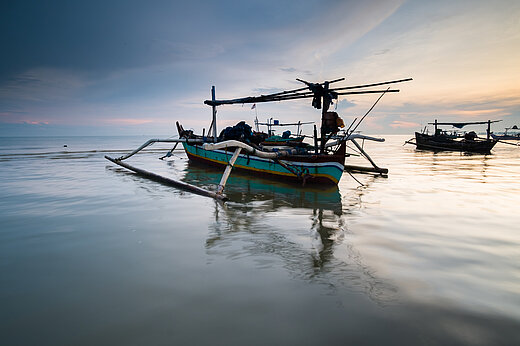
(240, 132)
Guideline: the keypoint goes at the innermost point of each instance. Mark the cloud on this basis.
(382, 51)
(35, 122)
(180, 50)
(40, 84)
(344, 104)
(142, 64)
(265, 91)
(397, 124)
(128, 121)
(480, 112)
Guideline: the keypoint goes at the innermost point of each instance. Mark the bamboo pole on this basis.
(362, 169)
(169, 153)
(168, 181)
(364, 116)
(373, 84)
(227, 171)
(151, 141)
(376, 168)
(267, 98)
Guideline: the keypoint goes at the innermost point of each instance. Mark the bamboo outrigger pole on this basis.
(165, 180)
(168, 181)
(227, 171)
(151, 141)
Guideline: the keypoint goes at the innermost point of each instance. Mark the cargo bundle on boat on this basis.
(286, 157)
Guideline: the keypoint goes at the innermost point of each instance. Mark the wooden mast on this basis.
(214, 114)
(324, 109)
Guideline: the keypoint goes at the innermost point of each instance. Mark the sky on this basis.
(135, 67)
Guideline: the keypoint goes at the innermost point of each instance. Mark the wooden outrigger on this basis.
(322, 162)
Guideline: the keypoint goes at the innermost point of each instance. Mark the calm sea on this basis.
(91, 254)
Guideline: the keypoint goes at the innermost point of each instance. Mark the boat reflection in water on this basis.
(243, 189)
(304, 228)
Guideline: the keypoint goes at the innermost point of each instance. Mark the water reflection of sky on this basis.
(305, 231)
(428, 253)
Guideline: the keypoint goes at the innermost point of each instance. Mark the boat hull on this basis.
(506, 137)
(323, 169)
(443, 143)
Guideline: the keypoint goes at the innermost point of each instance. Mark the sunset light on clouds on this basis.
(135, 67)
(404, 124)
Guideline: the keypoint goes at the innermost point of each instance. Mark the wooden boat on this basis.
(514, 136)
(304, 168)
(322, 162)
(442, 140)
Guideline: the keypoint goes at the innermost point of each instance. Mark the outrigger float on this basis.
(287, 157)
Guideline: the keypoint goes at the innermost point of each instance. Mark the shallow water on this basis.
(93, 254)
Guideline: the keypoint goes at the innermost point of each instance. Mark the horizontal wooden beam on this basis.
(363, 169)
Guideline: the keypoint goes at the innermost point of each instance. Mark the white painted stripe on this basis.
(294, 163)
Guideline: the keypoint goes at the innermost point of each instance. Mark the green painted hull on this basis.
(320, 172)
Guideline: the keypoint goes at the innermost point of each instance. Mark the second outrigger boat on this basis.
(322, 162)
(442, 140)
(510, 136)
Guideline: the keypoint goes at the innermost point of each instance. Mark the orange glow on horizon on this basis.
(403, 124)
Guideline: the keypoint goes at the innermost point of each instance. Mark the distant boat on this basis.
(287, 138)
(442, 140)
(513, 135)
